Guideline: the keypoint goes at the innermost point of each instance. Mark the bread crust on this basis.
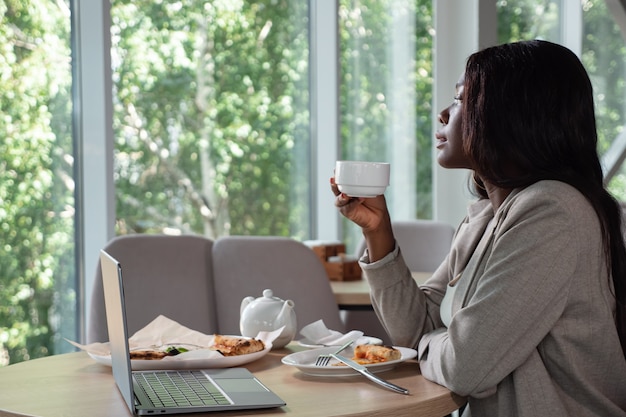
(368, 354)
(147, 354)
(234, 346)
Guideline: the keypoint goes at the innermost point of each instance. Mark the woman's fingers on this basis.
(334, 187)
(365, 212)
(342, 199)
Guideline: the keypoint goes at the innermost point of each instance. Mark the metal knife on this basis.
(363, 370)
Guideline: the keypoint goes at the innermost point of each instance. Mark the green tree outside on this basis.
(37, 297)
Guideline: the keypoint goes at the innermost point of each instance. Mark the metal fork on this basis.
(324, 359)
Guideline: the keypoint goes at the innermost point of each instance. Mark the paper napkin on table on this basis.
(164, 331)
(318, 333)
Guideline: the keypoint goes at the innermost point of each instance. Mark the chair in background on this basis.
(168, 275)
(424, 245)
(246, 265)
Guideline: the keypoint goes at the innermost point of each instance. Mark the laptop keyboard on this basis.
(171, 389)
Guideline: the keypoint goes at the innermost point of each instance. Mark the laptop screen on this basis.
(116, 322)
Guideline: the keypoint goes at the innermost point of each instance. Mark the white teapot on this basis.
(268, 313)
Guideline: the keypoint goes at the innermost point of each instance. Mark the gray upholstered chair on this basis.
(246, 265)
(424, 245)
(168, 275)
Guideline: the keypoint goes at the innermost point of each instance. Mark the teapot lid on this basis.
(267, 299)
(269, 295)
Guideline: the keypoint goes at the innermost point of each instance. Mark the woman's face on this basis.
(449, 140)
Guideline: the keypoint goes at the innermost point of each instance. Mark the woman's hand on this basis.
(372, 215)
(368, 213)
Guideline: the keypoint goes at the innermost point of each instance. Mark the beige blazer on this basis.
(531, 330)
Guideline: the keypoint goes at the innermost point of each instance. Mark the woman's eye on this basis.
(457, 99)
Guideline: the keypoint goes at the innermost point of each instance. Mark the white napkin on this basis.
(318, 333)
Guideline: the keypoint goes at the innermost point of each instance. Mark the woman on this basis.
(521, 316)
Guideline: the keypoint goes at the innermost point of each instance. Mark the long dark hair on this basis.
(528, 115)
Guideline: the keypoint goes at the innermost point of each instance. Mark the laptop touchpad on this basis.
(240, 385)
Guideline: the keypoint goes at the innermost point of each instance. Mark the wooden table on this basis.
(356, 294)
(74, 385)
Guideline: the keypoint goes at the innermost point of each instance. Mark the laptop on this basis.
(159, 391)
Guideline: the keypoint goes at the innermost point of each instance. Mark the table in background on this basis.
(73, 384)
(356, 294)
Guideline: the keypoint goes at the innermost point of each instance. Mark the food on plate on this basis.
(226, 345)
(148, 354)
(156, 353)
(175, 350)
(376, 353)
(233, 345)
(369, 354)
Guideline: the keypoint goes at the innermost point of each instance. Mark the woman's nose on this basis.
(443, 117)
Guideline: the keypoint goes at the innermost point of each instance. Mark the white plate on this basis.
(175, 362)
(365, 340)
(305, 362)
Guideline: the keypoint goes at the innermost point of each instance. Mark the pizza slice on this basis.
(368, 354)
(233, 346)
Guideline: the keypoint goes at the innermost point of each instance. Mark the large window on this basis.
(211, 117)
(212, 112)
(602, 52)
(604, 56)
(386, 98)
(37, 262)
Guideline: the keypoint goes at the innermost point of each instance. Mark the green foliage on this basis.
(211, 111)
(366, 37)
(369, 32)
(603, 55)
(36, 199)
(211, 117)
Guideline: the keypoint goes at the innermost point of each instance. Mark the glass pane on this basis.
(38, 276)
(386, 98)
(528, 19)
(211, 117)
(604, 56)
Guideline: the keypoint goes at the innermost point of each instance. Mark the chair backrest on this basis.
(169, 275)
(424, 243)
(246, 265)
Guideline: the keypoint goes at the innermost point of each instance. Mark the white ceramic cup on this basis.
(361, 178)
